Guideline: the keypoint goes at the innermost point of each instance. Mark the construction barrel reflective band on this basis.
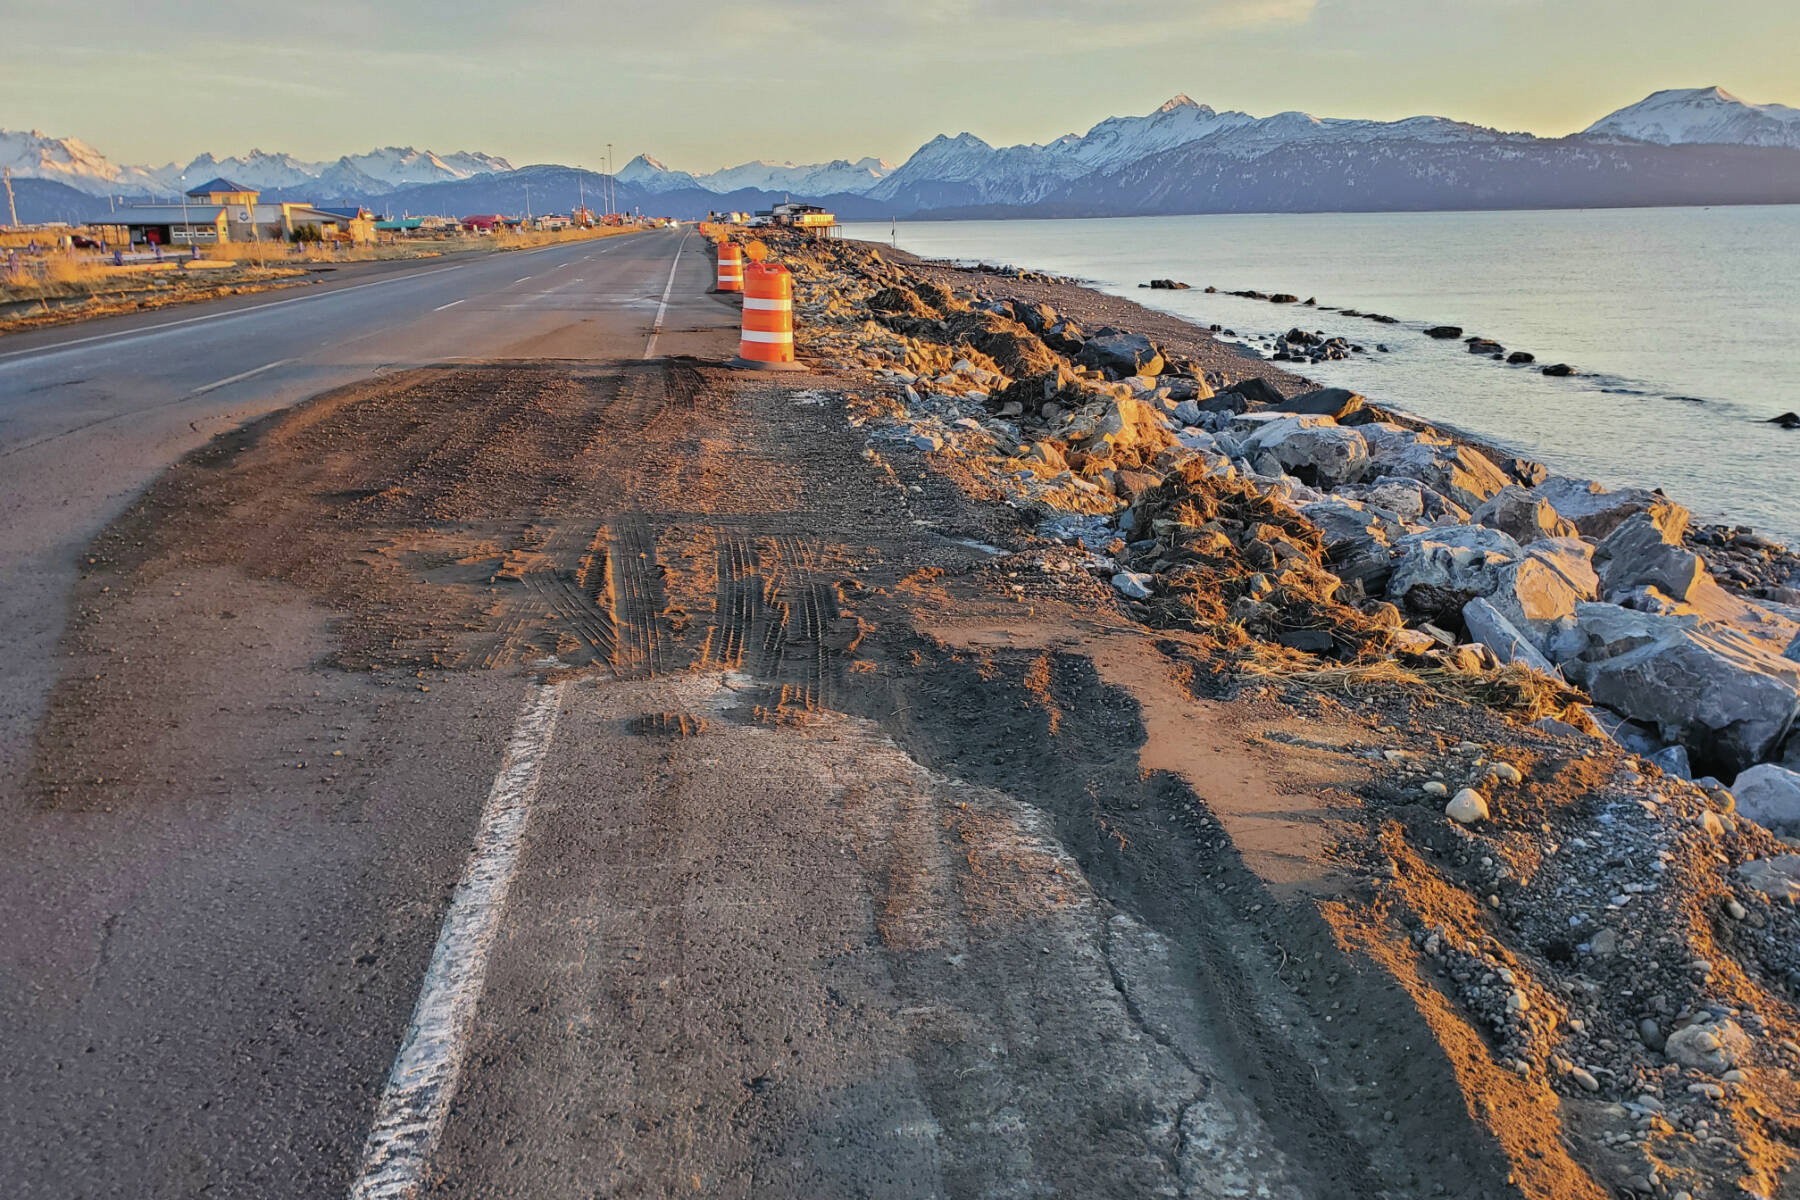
(731, 267)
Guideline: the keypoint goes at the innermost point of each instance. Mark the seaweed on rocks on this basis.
(1231, 560)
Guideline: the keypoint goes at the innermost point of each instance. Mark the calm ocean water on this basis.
(1685, 324)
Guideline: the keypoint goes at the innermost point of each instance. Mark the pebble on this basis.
(1735, 911)
(1467, 807)
(1435, 788)
(1134, 584)
(1585, 1079)
(1505, 771)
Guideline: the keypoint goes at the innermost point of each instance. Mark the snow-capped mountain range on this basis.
(804, 179)
(73, 162)
(1689, 146)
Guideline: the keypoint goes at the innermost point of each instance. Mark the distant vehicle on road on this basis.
(83, 242)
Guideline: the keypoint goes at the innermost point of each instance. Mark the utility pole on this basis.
(612, 184)
(12, 210)
(528, 200)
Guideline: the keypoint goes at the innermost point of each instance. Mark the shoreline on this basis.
(1246, 345)
(1642, 348)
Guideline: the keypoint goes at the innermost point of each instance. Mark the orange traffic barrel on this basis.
(731, 268)
(767, 341)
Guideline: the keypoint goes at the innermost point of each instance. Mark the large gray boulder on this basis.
(1314, 450)
(1603, 631)
(1457, 472)
(1729, 702)
(1437, 571)
(1487, 626)
(1770, 796)
(1402, 497)
(1595, 511)
(1121, 354)
(1358, 541)
(1645, 550)
(1571, 558)
(1524, 516)
(1536, 598)
(1334, 402)
(1385, 437)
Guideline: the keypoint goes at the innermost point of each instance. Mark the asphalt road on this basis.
(89, 413)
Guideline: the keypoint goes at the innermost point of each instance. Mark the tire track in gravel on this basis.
(637, 585)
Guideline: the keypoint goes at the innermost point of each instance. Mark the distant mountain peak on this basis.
(1178, 101)
(1685, 116)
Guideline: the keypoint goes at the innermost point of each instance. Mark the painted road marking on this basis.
(522, 279)
(236, 312)
(201, 391)
(452, 304)
(656, 326)
(423, 1081)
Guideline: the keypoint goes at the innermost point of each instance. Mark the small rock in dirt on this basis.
(1711, 1046)
(1467, 807)
(1134, 584)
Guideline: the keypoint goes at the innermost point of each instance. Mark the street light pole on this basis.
(612, 185)
(186, 226)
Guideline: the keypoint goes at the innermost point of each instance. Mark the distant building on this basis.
(222, 211)
(802, 216)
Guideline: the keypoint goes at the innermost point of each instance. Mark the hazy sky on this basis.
(701, 84)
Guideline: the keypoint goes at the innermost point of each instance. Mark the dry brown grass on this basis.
(70, 289)
(1513, 689)
(279, 253)
(53, 277)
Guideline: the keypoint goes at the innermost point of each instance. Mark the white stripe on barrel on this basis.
(761, 335)
(758, 304)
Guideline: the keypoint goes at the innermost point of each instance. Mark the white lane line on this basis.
(452, 304)
(656, 326)
(424, 1078)
(236, 312)
(522, 279)
(201, 391)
